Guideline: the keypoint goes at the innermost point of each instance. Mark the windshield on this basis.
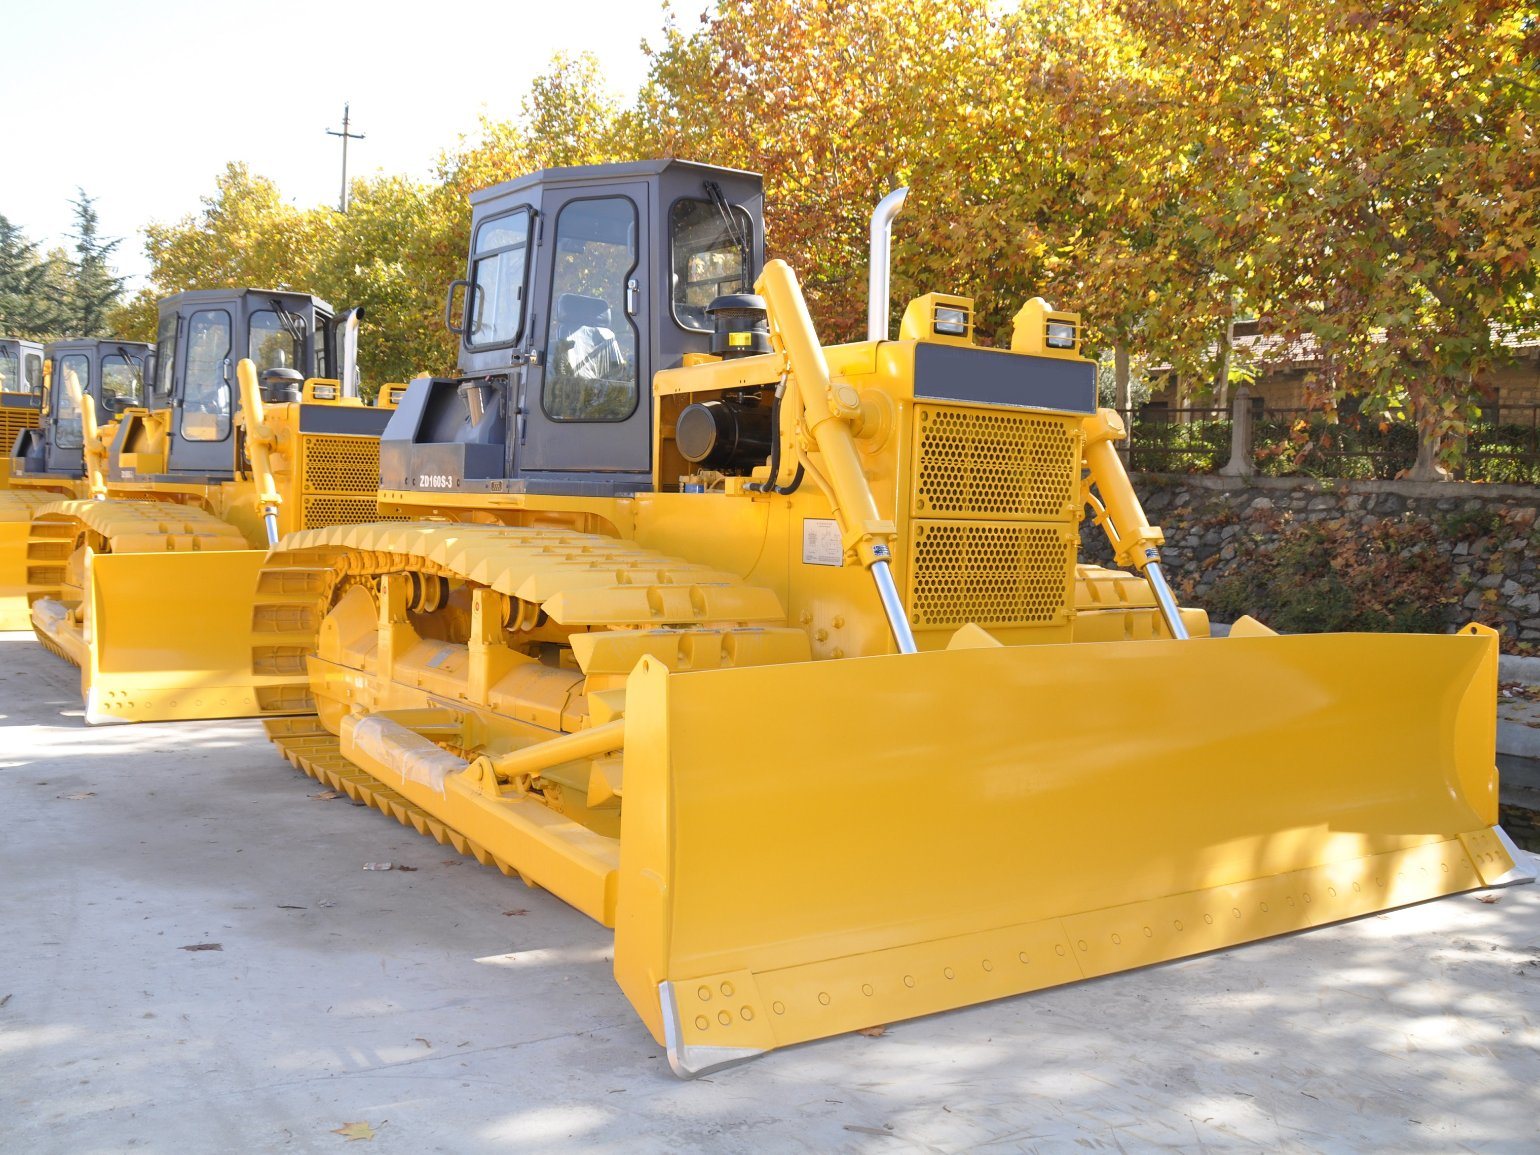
(122, 383)
(71, 380)
(497, 281)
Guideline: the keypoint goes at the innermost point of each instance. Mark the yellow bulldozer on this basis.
(146, 581)
(21, 392)
(46, 459)
(777, 657)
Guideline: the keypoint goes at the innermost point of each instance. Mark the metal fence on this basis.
(1312, 442)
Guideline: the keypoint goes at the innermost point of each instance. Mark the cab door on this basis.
(584, 398)
(205, 393)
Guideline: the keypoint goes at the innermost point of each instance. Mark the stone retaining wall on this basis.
(1486, 536)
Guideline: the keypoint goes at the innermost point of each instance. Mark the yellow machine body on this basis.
(151, 589)
(690, 714)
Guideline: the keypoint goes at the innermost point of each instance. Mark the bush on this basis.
(1317, 577)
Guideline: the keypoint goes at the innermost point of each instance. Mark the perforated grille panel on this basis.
(996, 465)
(992, 574)
(321, 511)
(342, 464)
(12, 422)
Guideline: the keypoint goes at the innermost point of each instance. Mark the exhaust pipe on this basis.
(347, 327)
(878, 289)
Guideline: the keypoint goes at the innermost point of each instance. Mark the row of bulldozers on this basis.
(775, 657)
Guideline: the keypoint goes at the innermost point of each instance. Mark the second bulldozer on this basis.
(777, 658)
(150, 579)
(46, 461)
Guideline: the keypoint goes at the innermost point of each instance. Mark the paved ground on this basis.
(454, 1010)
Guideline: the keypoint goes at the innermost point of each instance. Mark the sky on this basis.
(143, 102)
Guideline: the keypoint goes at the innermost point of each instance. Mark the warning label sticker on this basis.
(821, 542)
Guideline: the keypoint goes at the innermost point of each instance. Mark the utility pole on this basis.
(342, 202)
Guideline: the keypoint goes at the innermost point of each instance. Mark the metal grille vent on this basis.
(342, 464)
(12, 422)
(996, 465)
(995, 575)
(322, 511)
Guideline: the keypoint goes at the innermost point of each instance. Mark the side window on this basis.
(122, 383)
(272, 345)
(206, 386)
(320, 344)
(10, 371)
(591, 363)
(71, 379)
(497, 280)
(165, 356)
(32, 373)
(707, 258)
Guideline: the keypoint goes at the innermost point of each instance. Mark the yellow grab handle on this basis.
(259, 443)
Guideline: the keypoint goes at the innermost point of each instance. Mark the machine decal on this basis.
(821, 542)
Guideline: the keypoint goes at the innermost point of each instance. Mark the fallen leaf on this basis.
(352, 1131)
(327, 795)
(873, 1032)
(5, 1000)
(424, 1042)
(408, 869)
(515, 913)
(203, 946)
(78, 795)
(1489, 899)
(451, 861)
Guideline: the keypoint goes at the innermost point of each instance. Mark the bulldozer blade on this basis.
(914, 833)
(168, 637)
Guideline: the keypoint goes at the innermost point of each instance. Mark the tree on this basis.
(95, 288)
(27, 309)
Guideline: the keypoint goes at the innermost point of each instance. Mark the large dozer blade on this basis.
(817, 848)
(177, 635)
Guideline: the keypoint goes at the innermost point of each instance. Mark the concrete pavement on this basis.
(454, 1010)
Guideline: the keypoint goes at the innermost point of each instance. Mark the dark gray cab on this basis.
(581, 284)
(113, 373)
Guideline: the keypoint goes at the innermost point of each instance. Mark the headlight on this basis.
(1061, 334)
(951, 321)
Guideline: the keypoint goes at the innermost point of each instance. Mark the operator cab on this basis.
(201, 336)
(113, 373)
(581, 284)
(21, 374)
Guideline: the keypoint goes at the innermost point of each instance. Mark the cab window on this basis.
(206, 389)
(497, 280)
(165, 355)
(708, 258)
(272, 345)
(591, 362)
(32, 374)
(10, 371)
(71, 380)
(122, 383)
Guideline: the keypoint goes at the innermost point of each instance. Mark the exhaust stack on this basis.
(878, 289)
(347, 328)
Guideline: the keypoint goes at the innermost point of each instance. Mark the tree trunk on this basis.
(1429, 443)
(1222, 371)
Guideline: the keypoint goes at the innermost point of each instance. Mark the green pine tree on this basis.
(97, 289)
(27, 308)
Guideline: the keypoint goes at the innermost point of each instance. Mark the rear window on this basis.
(707, 258)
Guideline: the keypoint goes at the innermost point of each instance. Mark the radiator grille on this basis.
(322, 510)
(342, 464)
(995, 465)
(992, 574)
(12, 422)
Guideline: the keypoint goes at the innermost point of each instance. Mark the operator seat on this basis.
(587, 344)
